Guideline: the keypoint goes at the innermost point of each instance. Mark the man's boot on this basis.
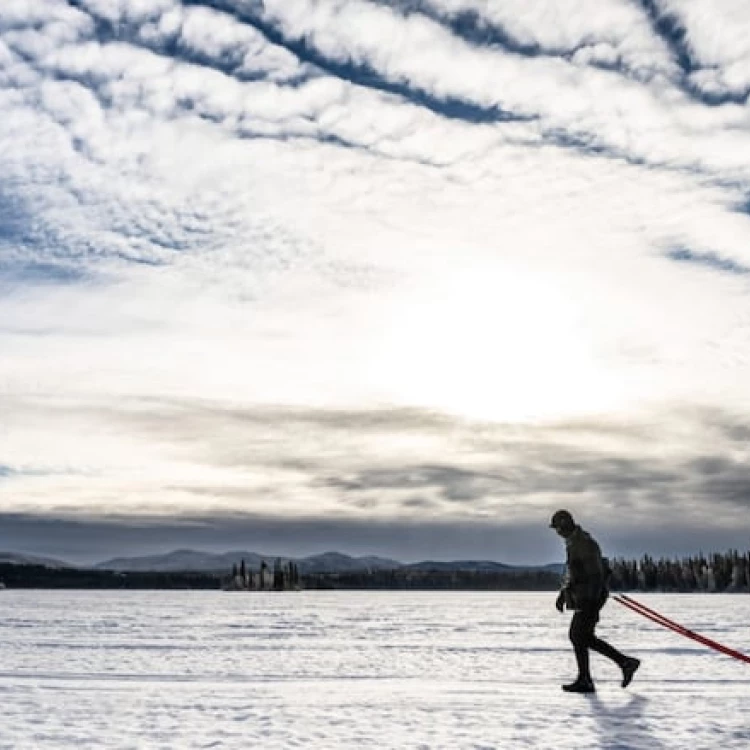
(629, 667)
(581, 685)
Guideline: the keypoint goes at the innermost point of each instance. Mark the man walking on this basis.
(584, 590)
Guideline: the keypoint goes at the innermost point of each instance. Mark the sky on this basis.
(395, 278)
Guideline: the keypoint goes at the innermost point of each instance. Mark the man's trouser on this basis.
(583, 638)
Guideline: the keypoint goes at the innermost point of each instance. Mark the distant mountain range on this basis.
(484, 566)
(15, 558)
(185, 559)
(182, 560)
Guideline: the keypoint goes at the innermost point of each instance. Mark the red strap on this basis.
(660, 619)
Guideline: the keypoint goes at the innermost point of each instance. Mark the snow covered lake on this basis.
(359, 670)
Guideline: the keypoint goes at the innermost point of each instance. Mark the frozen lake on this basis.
(359, 670)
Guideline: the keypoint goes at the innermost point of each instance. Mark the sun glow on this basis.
(495, 343)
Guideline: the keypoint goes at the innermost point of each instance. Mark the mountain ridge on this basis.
(190, 560)
(20, 558)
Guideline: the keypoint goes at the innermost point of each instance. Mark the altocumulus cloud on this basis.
(396, 275)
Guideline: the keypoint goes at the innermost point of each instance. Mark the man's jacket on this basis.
(585, 582)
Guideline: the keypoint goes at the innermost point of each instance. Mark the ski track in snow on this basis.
(406, 670)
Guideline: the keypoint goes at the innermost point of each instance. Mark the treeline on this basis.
(42, 577)
(438, 580)
(283, 577)
(717, 572)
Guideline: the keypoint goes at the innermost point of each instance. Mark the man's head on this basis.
(562, 522)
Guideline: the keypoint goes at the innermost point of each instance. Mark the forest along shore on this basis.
(715, 573)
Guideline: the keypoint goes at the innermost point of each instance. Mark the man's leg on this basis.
(627, 664)
(603, 648)
(581, 633)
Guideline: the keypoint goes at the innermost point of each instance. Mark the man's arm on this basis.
(564, 597)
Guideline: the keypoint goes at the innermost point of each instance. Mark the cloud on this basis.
(355, 263)
(609, 35)
(711, 45)
(709, 260)
(201, 459)
(586, 104)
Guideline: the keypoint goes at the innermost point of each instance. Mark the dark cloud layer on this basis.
(91, 539)
(495, 505)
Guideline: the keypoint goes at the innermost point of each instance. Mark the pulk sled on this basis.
(660, 619)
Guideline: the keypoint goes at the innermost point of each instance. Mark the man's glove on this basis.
(560, 603)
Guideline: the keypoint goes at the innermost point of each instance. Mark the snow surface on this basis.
(358, 670)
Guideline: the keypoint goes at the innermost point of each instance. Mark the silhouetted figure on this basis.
(585, 590)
